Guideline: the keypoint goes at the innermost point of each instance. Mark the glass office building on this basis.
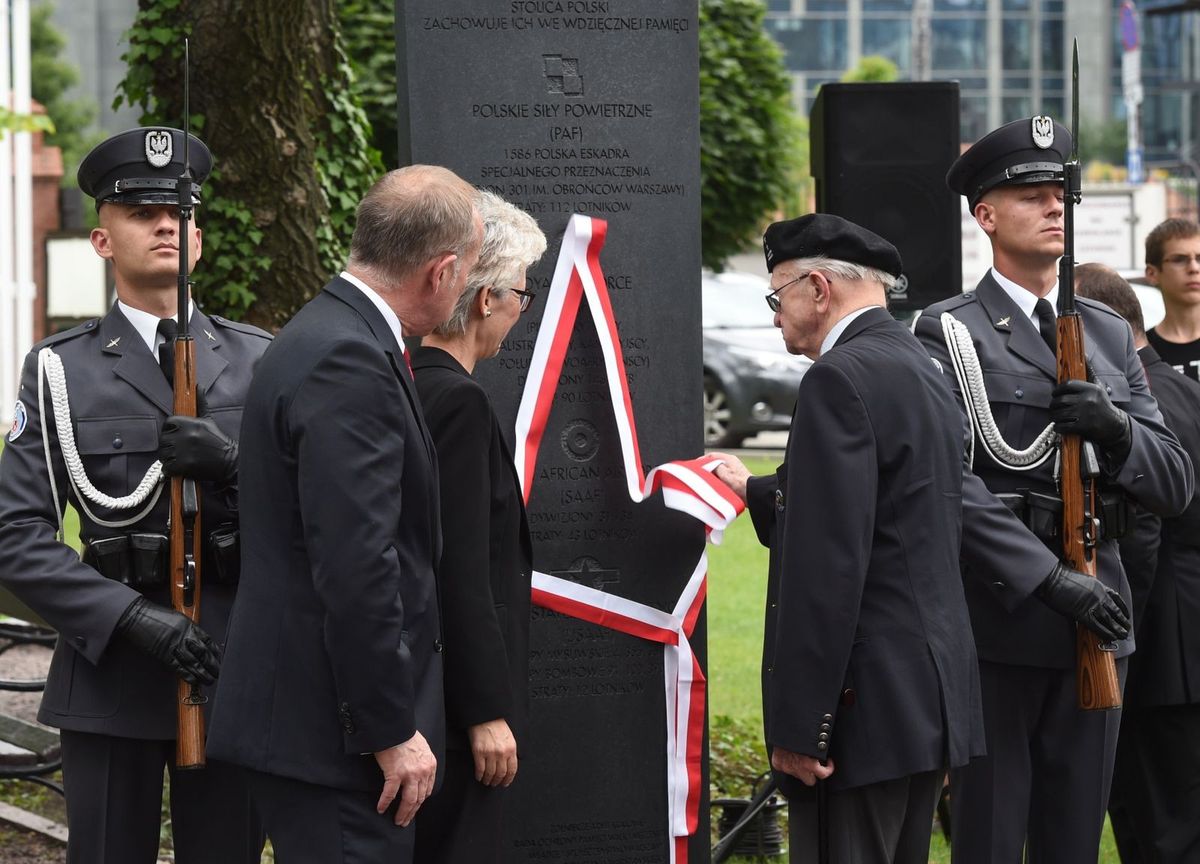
(1011, 57)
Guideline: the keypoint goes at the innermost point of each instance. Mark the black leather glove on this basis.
(1083, 408)
(171, 638)
(1087, 600)
(196, 447)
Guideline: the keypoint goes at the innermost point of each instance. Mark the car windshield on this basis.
(735, 300)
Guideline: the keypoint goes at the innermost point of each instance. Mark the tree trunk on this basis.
(259, 73)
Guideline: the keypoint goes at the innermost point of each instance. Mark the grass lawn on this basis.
(737, 588)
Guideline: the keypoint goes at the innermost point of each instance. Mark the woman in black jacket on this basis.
(486, 560)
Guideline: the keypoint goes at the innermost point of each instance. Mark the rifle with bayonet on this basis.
(185, 496)
(1097, 684)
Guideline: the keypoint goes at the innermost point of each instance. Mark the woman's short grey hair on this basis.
(842, 269)
(511, 240)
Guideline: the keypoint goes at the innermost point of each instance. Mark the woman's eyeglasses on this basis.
(526, 297)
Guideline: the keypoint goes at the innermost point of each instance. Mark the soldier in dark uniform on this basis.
(1044, 784)
(93, 425)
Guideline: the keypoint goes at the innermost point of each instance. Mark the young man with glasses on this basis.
(1173, 265)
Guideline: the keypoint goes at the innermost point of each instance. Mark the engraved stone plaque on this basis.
(591, 107)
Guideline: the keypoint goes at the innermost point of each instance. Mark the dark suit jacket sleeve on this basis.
(1139, 556)
(826, 542)
(760, 501)
(1157, 471)
(351, 427)
(477, 679)
(42, 572)
(997, 547)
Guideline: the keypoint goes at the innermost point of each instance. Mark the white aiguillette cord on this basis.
(51, 373)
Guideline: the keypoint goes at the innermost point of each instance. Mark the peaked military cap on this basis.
(1032, 150)
(142, 165)
(831, 236)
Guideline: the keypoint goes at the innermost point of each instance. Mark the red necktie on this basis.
(408, 363)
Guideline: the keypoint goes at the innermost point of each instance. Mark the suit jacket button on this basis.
(824, 736)
(437, 646)
(825, 727)
(779, 500)
(999, 586)
(848, 696)
(118, 443)
(828, 718)
(822, 746)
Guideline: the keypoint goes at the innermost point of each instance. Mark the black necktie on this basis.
(168, 328)
(1047, 324)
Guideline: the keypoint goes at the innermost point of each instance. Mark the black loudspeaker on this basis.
(879, 154)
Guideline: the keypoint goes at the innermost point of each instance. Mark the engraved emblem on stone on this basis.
(580, 440)
(562, 75)
(158, 148)
(1043, 132)
(590, 572)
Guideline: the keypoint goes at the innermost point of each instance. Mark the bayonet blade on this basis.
(1075, 99)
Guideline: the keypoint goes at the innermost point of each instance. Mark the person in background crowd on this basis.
(1173, 265)
(1155, 801)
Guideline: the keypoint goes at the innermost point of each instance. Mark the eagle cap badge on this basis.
(159, 148)
(1043, 132)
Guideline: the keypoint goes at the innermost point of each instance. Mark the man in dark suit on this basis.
(869, 671)
(1043, 787)
(93, 441)
(1155, 801)
(331, 691)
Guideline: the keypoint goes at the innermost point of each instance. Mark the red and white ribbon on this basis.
(688, 486)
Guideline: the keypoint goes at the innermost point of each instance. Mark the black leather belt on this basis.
(140, 560)
(1042, 514)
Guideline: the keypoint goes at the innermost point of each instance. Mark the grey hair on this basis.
(410, 216)
(842, 269)
(511, 240)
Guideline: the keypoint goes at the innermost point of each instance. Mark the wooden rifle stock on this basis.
(185, 496)
(185, 564)
(1098, 687)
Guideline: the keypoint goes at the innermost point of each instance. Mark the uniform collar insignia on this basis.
(209, 334)
(113, 343)
(1003, 322)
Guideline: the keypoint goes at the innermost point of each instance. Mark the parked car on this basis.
(750, 379)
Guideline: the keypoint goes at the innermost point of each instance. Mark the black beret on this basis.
(141, 166)
(831, 236)
(1024, 151)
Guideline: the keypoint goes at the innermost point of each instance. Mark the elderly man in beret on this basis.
(90, 442)
(870, 682)
(1041, 791)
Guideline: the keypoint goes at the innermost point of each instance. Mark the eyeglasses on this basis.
(773, 300)
(526, 297)
(1181, 260)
